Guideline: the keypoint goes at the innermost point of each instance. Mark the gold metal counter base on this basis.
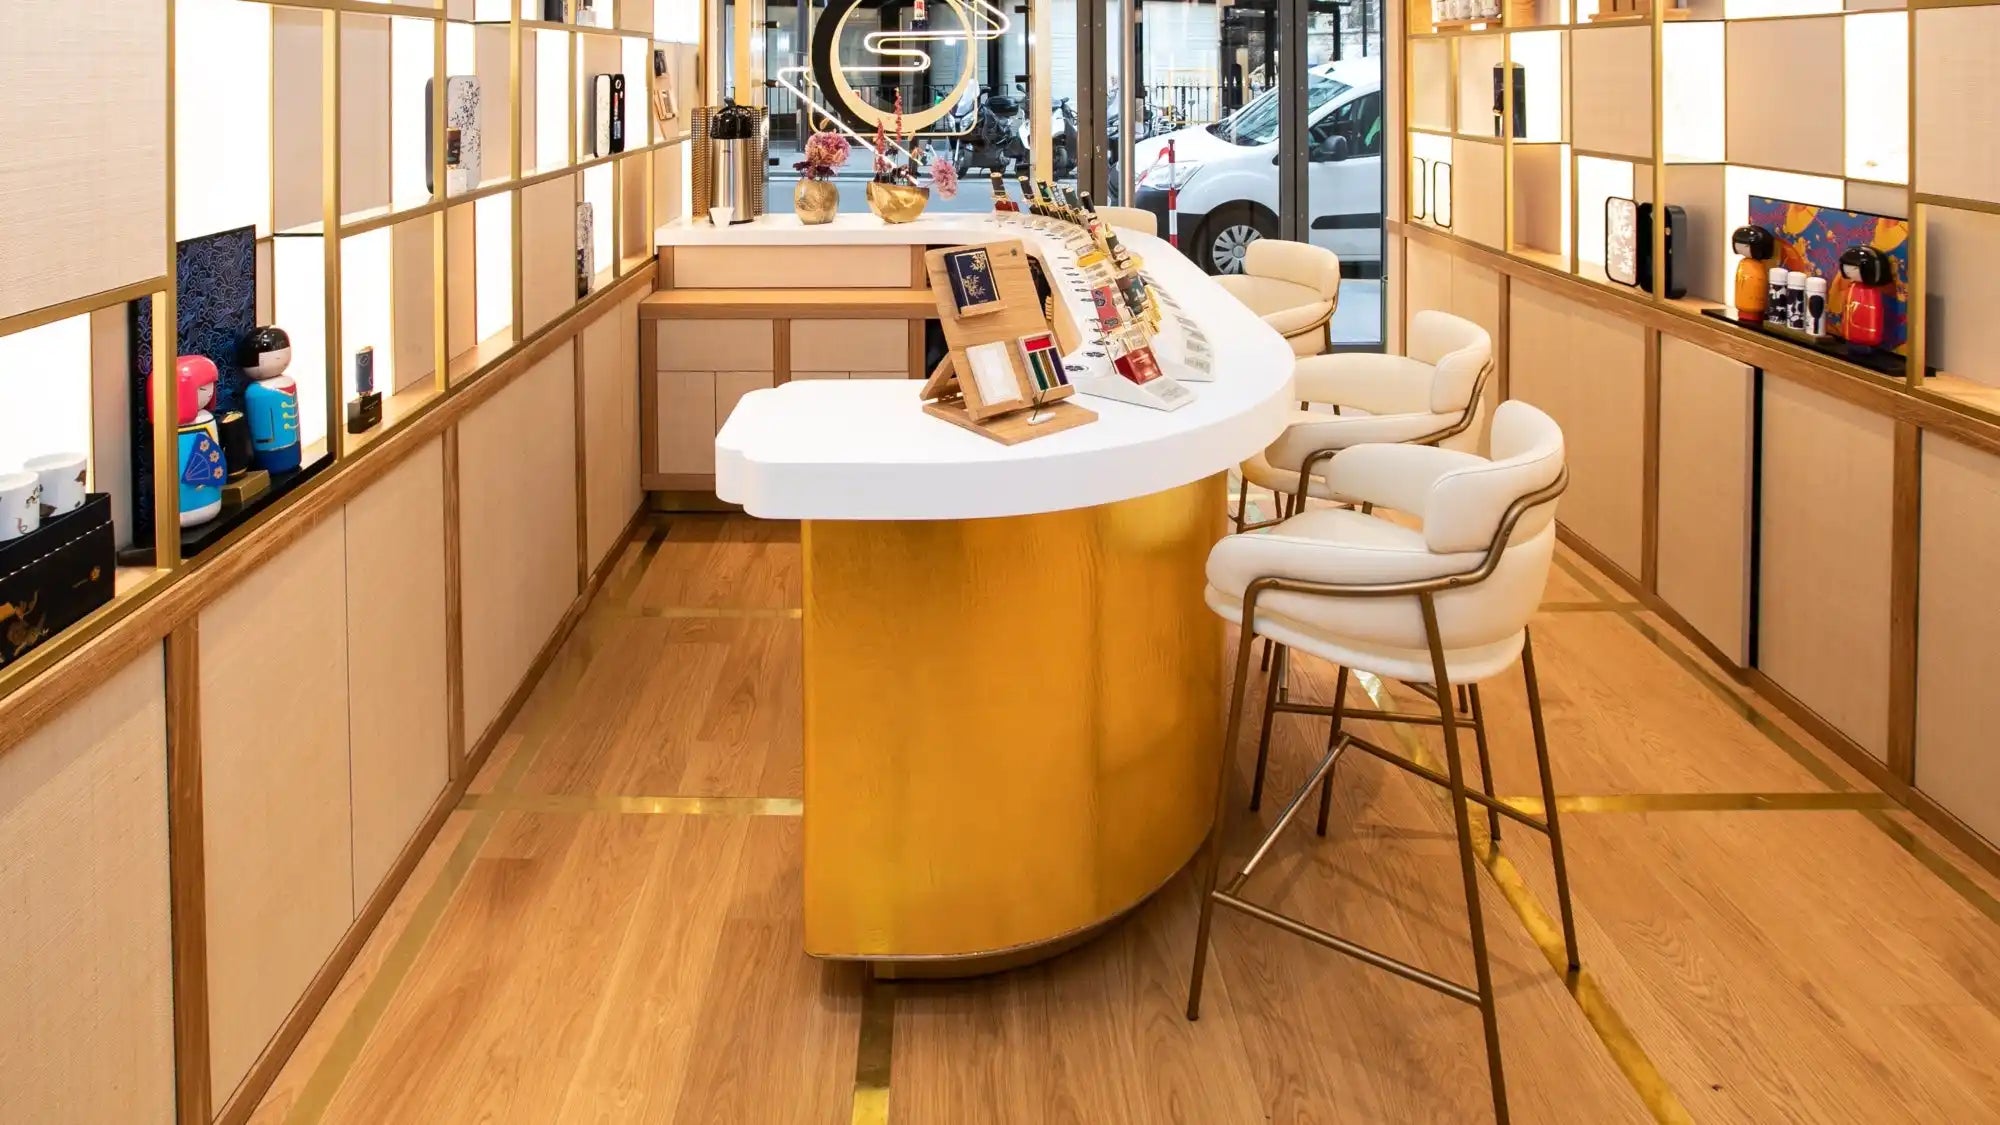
(1010, 727)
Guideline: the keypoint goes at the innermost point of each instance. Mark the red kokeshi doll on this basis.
(1864, 320)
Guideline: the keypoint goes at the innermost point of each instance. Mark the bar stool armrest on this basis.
(1394, 476)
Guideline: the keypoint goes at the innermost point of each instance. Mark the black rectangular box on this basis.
(55, 576)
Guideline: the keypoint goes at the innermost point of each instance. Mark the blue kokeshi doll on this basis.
(271, 399)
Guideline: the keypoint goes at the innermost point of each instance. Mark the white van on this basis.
(1227, 172)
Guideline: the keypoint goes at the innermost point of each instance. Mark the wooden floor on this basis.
(608, 929)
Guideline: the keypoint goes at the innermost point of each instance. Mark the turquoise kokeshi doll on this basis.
(271, 399)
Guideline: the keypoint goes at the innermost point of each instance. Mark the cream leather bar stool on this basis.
(1294, 286)
(1431, 396)
(1131, 218)
(1448, 604)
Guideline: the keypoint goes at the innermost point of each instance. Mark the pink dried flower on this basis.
(825, 151)
(944, 177)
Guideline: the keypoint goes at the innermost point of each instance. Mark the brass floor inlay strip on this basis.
(1612, 1030)
(1588, 607)
(499, 801)
(1707, 802)
(1932, 860)
(872, 1053)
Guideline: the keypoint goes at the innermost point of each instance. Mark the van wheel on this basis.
(1226, 234)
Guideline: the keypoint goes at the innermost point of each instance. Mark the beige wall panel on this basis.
(1429, 270)
(1540, 172)
(1703, 260)
(1771, 63)
(1961, 248)
(274, 792)
(297, 89)
(1958, 102)
(1958, 633)
(111, 415)
(1587, 369)
(364, 113)
(686, 421)
(548, 251)
(611, 427)
(634, 235)
(850, 345)
(1707, 431)
(1475, 295)
(635, 15)
(395, 659)
(1430, 84)
(791, 267)
(461, 271)
(1823, 563)
(491, 51)
(1479, 192)
(716, 345)
(879, 375)
(517, 515)
(1616, 65)
(83, 206)
(669, 201)
(86, 960)
(412, 250)
(731, 386)
(1477, 56)
(809, 375)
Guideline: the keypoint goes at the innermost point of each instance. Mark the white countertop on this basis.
(864, 449)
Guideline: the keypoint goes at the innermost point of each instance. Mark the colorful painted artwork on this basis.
(1811, 239)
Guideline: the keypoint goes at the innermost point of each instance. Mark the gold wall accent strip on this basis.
(873, 1051)
(1617, 1036)
(1707, 802)
(510, 801)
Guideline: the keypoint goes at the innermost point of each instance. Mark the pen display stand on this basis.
(970, 388)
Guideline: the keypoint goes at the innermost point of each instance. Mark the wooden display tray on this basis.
(1015, 428)
(949, 395)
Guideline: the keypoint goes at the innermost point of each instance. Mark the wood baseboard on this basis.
(257, 1082)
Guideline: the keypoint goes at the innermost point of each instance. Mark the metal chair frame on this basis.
(1449, 718)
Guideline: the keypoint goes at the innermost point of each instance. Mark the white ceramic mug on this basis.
(720, 216)
(20, 504)
(63, 476)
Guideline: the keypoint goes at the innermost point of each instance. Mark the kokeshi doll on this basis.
(1753, 274)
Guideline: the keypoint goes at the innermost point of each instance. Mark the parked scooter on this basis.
(995, 142)
(1062, 139)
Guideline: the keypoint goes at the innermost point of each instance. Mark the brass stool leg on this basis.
(1474, 917)
(1332, 736)
(1212, 857)
(1271, 683)
(1549, 798)
(1485, 762)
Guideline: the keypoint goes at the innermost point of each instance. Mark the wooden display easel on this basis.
(953, 395)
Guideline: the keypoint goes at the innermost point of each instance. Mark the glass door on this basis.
(1344, 173)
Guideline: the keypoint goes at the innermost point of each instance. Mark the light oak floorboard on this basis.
(595, 965)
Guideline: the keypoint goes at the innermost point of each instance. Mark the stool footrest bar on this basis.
(1443, 782)
(1359, 952)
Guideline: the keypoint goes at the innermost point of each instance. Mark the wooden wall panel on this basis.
(791, 267)
(1479, 192)
(1616, 65)
(517, 513)
(1587, 369)
(86, 992)
(1958, 633)
(412, 249)
(1429, 272)
(1430, 84)
(548, 251)
(461, 279)
(297, 85)
(611, 428)
(364, 113)
(275, 799)
(1707, 435)
(634, 192)
(1964, 335)
(1770, 64)
(83, 207)
(395, 659)
(1823, 587)
(1958, 99)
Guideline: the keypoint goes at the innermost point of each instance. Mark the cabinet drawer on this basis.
(714, 345)
(797, 375)
(684, 422)
(850, 345)
(729, 387)
(878, 375)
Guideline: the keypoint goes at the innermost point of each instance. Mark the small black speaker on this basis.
(1520, 99)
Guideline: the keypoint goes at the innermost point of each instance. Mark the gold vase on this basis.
(815, 201)
(897, 203)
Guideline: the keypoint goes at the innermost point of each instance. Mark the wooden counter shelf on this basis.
(790, 304)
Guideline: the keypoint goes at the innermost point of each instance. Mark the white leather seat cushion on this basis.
(1283, 305)
(1315, 430)
(1480, 624)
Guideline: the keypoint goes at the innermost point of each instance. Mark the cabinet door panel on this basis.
(686, 421)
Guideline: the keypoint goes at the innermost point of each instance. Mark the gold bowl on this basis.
(897, 203)
(815, 201)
